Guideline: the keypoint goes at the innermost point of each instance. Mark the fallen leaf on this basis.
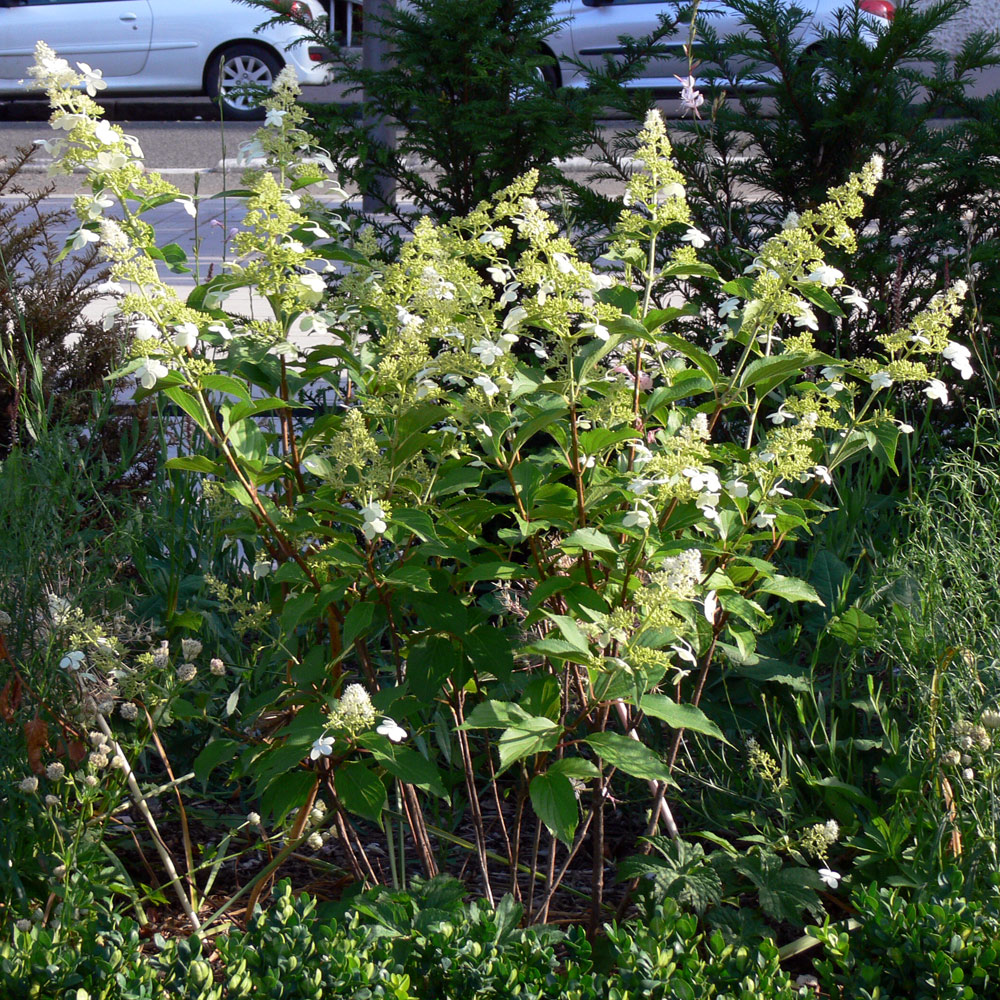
(36, 735)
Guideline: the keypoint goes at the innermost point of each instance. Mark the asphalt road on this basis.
(181, 138)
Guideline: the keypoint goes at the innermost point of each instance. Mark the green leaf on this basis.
(555, 803)
(655, 318)
(493, 570)
(216, 753)
(555, 410)
(692, 352)
(492, 714)
(791, 588)
(850, 792)
(464, 477)
(680, 716)
(765, 669)
(854, 627)
(430, 662)
(285, 792)
(172, 255)
(571, 633)
(574, 767)
(411, 576)
(589, 540)
(295, 609)
(225, 383)
(887, 438)
(360, 790)
(247, 440)
(356, 621)
(412, 767)
(188, 403)
(686, 269)
(534, 734)
(594, 350)
(768, 373)
(194, 463)
(252, 407)
(186, 619)
(417, 521)
(630, 756)
(819, 296)
(828, 574)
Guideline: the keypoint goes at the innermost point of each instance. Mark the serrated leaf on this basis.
(768, 373)
(555, 803)
(692, 352)
(630, 756)
(360, 790)
(417, 521)
(574, 767)
(828, 575)
(356, 621)
(790, 588)
(492, 714)
(589, 540)
(855, 628)
(690, 269)
(534, 734)
(680, 716)
(214, 754)
(285, 792)
(182, 398)
(193, 463)
(430, 663)
(412, 576)
(225, 383)
(819, 296)
(412, 767)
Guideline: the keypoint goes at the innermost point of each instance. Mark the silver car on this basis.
(591, 29)
(160, 46)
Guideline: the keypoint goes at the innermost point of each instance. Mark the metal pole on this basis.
(374, 57)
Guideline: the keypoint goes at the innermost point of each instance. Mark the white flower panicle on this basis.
(190, 648)
(354, 712)
(187, 672)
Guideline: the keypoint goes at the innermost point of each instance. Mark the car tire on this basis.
(237, 65)
(549, 72)
(815, 62)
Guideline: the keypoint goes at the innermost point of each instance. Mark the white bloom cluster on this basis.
(819, 838)
(681, 573)
(355, 711)
(190, 648)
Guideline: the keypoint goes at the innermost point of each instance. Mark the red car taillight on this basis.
(878, 8)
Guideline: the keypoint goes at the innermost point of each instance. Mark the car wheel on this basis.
(816, 62)
(233, 70)
(549, 72)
